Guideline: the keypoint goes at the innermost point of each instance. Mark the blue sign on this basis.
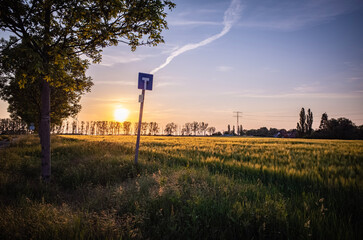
(145, 81)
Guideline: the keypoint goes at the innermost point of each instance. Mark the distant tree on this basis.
(118, 128)
(82, 127)
(87, 128)
(302, 123)
(126, 127)
(13, 126)
(170, 128)
(229, 129)
(273, 132)
(341, 128)
(217, 134)
(154, 128)
(136, 127)
(67, 127)
(263, 132)
(195, 127)
(324, 121)
(309, 122)
(144, 127)
(240, 132)
(186, 130)
(203, 127)
(92, 128)
(211, 130)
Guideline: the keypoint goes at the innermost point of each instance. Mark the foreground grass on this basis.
(183, 188)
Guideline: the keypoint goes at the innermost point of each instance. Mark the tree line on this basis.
(17, 126)
(340, 128)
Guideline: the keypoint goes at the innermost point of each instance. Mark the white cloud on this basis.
(308, 88)
(124, 83)
(224, 68)
(167, 84)
(108, 100)
(109, 60)
(231, 15)
(194, 23)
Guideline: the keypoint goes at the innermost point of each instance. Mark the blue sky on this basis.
(267, 59)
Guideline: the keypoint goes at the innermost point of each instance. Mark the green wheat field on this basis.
(183, 188)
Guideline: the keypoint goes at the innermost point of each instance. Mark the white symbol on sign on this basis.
(145, 79)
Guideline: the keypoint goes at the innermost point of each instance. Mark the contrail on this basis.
(231, 15)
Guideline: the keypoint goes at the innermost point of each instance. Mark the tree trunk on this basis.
(44, 132)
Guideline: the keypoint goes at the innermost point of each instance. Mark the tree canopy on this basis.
(25, 100)
(54, 32)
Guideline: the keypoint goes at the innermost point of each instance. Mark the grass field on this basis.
(183, 188)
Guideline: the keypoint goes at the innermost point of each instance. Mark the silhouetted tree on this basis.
(203, 127)
(194, 127)
(240, 131)
(144, 127)
(211, 130)
(186, 130)
(126, 127)
(302, 123)
(324, 121)
(170, 128)
(309, 122)
(153, 128)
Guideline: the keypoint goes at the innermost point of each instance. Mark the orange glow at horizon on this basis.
(121, 114)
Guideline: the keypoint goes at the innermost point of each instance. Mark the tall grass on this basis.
(183, 188)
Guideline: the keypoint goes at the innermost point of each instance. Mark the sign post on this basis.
(145, 83)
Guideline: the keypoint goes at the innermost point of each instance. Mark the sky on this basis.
(266, 59)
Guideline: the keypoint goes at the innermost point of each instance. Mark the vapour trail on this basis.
(231, 15)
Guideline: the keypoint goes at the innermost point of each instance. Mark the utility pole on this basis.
(238, 116)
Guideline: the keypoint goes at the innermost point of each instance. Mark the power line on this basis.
(237, 115)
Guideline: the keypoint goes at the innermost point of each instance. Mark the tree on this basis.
(153, 128)
(194, 126)
(302, 123)
(211, 130)
(53, 34)
(126, 127)
(144, 127)
(187, 129)
(324, 121)
(309, 122)
(170, 128)
(203, 127)
(240, 130)
(229, 129)
(342, 128)
(25, 102)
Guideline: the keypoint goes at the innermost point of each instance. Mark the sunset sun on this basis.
(121, 114)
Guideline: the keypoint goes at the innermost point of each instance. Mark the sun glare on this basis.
(121, 114)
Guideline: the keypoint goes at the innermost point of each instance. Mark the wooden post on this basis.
(139, 125)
